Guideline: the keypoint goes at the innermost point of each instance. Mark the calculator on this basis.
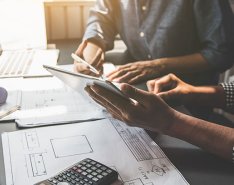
(85, 172)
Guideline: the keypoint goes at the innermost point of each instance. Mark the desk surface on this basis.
(197, 166)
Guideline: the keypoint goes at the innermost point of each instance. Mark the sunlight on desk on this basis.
(49, 101)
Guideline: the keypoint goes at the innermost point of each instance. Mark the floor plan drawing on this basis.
(37, 165)
(69, 146)
(40, 153)
(31, 140)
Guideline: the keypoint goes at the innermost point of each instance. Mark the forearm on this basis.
(90, 51)
(183, 64)
(210, 96)
(214, 138)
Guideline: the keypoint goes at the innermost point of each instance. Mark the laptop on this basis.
(23, 42)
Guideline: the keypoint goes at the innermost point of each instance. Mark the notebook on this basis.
(23, 41)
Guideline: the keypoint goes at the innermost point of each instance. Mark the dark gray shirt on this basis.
(154, 29)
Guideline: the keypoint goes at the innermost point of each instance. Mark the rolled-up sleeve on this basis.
(215, 23)
(101, 26)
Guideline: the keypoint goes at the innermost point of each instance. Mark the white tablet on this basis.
(79, 81)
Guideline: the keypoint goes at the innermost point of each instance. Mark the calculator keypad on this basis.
(86, 172)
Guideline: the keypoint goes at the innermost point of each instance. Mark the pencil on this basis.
(9, 111)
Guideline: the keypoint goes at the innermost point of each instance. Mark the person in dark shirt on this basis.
(191, 38)
(150, 112)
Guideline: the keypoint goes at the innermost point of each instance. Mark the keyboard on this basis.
(15, 63)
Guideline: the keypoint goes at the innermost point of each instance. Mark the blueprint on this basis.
(36, 154)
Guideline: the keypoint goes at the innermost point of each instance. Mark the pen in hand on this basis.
(80, 60)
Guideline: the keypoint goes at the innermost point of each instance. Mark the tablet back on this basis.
(78, 81)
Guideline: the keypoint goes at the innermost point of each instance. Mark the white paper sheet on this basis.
(55, 106)
(46, 101)
(33, 155)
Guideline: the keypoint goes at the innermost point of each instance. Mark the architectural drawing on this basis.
(134, 182)
(31, 140)
(36, 163)
(44, 152)
(69, 146)
(137, 145)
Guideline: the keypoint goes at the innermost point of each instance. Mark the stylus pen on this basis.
(78, 59)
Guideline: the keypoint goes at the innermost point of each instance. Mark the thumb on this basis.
(139, 95)
(165, 83)
(150, 85)
(168, 95)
